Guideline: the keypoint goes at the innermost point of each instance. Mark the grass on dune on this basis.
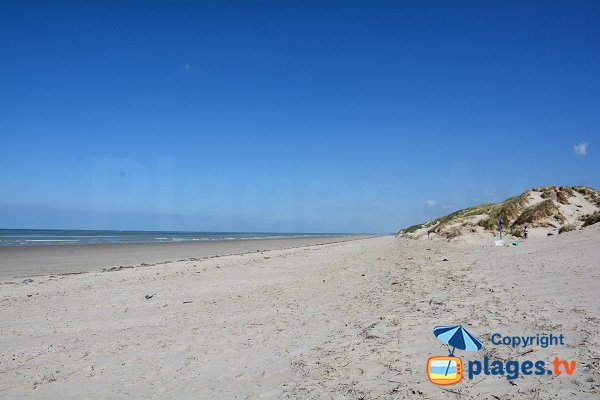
(411, 229)
(566, 228)
(507, 210)
(538, 211)
(591, 219)
(514, 211)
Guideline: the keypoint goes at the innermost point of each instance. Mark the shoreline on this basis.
(346, 320)
(27, 261)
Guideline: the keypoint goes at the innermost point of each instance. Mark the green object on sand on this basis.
(515, 243)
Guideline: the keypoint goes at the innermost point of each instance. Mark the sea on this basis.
(52, 237)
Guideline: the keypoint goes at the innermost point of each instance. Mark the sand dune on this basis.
(343, 321)
(543, 211)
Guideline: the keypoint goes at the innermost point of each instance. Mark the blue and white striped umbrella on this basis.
(457, 337)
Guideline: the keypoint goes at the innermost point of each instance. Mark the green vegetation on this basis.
(533, 213)
(566, 228)
(591, 219)
(508, 210)
(584, 190)
(412, 229)
(547, 192)
(517, 232)
(488, 224)
(453, 233)
(515, 213)
(560, 194)
(562, 198)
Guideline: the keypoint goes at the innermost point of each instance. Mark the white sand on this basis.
(342, 321)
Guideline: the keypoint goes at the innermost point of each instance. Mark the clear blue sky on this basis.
(290, 115)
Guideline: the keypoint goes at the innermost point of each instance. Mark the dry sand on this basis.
(339, 321)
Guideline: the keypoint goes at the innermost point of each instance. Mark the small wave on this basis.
(52, 240)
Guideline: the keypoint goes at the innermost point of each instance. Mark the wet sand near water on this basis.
(27, 261)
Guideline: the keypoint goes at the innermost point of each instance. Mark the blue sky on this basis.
(312, 116)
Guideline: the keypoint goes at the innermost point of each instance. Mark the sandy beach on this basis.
(302, 200)
(343, 320)
(28, 261)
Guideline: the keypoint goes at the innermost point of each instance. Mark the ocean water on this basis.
(43, 237)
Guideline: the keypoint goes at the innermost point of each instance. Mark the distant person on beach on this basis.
(525, 232)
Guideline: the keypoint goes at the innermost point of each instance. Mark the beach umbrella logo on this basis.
(457, 337)
(447, 370)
